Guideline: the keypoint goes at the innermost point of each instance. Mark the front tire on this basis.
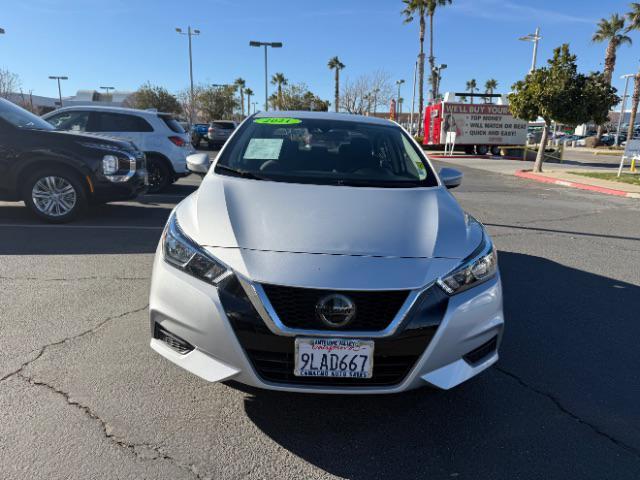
(160, 177)
(55, 195)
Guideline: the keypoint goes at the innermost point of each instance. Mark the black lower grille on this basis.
(482, 352)
(178, 344)
(272, 356)
(296, 307)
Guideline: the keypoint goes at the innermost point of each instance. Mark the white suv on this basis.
(158, 135)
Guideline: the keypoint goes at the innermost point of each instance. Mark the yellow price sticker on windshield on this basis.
(277, 121)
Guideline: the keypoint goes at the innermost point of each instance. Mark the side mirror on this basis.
(451, 178)
(198, 163)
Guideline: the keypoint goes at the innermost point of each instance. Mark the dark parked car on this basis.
(58, 174)
(219, 132)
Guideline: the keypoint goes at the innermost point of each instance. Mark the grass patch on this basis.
(631, 178)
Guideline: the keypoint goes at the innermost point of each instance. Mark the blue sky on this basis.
(124, 43)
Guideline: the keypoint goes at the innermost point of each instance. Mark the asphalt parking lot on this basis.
(82, 396)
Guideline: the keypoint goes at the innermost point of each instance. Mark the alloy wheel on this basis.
(54, 196)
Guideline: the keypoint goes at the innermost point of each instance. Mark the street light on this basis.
(254, 106)
(437, 71)
(375, 100)
(58, 78)
(398, 83)
(107, 89)
(190, 33)
(624, 104)
(535, 38)
(253, 43)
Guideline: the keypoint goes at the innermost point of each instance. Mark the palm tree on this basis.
(240, 83)
(413, 9)
(279, 79)
(421, 9)
(489, 86)
(431, 11)
(337, 65)
(611, 31)
(472, 86)
(249, 93)
(633, 18)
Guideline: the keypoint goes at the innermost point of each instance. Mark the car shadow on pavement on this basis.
(555, 405)
(105, 229)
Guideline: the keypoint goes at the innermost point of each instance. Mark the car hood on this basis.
(229, 212)
(83, 137)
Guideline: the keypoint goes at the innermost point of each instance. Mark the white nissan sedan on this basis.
(322, 253)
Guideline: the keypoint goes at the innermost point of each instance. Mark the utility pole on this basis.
(253, 43)
(535, 38)
(190, 33)
(58, 78)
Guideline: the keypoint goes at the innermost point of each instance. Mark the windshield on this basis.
(326, 152)
(224, 125)
(21, 118)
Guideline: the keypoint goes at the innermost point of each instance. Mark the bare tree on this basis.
(184, 97)
(9, 83)
(366, 92)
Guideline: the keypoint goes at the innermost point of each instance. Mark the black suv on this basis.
(58, 174)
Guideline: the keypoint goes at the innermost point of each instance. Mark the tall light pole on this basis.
(58, 78)
(190, 33)
(398, 83)
(253, 43)
(624, 104)
(535, 38)
(254, 106)
(413, 97)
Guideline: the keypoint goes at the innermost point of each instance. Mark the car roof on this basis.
(345, 117)
(102, 108)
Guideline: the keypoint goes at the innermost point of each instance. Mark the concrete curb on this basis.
(528, 174)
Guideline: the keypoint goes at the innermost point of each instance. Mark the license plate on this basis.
(333, 357)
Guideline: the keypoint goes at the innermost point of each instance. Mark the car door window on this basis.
(74, 121)
(117, 122)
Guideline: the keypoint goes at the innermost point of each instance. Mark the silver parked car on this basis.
(322, 253)
(219, 132)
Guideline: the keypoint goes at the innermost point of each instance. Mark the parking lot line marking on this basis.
(129, 227)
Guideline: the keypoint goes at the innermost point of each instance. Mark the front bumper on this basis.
(107, 191)
(462, 343)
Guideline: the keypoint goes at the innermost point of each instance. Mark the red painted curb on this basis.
(474, 156)
(565, 183)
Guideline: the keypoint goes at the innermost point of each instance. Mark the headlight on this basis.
(109, 164)
(478, 267)
(185, 254)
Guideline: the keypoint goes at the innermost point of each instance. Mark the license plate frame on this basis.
(347, 351)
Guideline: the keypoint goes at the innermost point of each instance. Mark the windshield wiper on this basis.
(238, 173)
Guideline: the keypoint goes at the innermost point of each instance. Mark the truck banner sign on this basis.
(482, 124)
